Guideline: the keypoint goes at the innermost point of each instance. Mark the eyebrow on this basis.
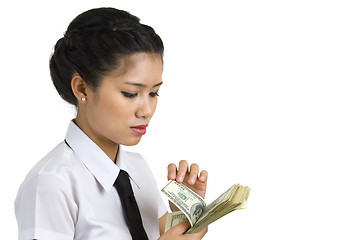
(142, 85)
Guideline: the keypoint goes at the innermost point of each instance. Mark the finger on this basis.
(193, 173)
(181, 227)
(202, 232)
(203, 176)
(172, 171)
(182, 170)
(198, 235)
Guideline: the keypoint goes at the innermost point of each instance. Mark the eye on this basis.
(154, 94)
(129, 95)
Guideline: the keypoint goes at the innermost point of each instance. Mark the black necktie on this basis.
(130, 207)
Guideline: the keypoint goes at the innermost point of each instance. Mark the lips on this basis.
(140, 129)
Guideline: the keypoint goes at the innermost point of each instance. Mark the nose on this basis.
(146, 109)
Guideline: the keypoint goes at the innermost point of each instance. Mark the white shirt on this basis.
(69, 194)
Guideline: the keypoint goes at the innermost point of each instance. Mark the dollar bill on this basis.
(173, 219)
(190, 203)
(234, 198)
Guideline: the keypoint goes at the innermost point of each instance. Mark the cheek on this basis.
(110, 110)
(154, 104)
(118, 108)
(123, 112)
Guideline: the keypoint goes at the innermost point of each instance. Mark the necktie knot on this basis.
(122, 184)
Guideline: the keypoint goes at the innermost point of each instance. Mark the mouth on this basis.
(140, 129)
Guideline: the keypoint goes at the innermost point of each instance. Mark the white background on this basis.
(261, 93)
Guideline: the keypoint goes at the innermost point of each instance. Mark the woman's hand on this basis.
(189, 177)
(195, 180)
(177, 232)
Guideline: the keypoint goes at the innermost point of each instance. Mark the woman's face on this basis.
(119, 110)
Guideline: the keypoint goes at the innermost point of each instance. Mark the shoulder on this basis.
(59, 161)
(55, 169)
(48, 184)
(61, 155)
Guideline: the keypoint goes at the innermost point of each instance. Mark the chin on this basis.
(131, 142)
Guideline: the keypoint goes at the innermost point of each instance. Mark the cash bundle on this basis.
(194, 208)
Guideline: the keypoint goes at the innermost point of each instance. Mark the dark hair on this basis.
(94, 44)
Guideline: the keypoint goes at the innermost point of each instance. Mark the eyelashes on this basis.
(129, 95)
(153, 94)
(133, 95)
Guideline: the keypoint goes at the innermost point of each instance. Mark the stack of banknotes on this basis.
(194, 208)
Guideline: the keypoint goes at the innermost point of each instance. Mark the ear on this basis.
(80, 88)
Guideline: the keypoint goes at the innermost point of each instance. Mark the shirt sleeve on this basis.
(45, 209)
(162, 208)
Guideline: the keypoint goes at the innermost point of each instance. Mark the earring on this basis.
(83, 99)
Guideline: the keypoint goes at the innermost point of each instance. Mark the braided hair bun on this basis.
(94, 44)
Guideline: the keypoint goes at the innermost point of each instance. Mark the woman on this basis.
(109, 66)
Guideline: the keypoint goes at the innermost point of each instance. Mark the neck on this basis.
(109, 148)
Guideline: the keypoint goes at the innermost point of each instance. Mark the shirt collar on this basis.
(98, 163)
(126, 162)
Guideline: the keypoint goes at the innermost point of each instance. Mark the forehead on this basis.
(141, 68)
(139, 63)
